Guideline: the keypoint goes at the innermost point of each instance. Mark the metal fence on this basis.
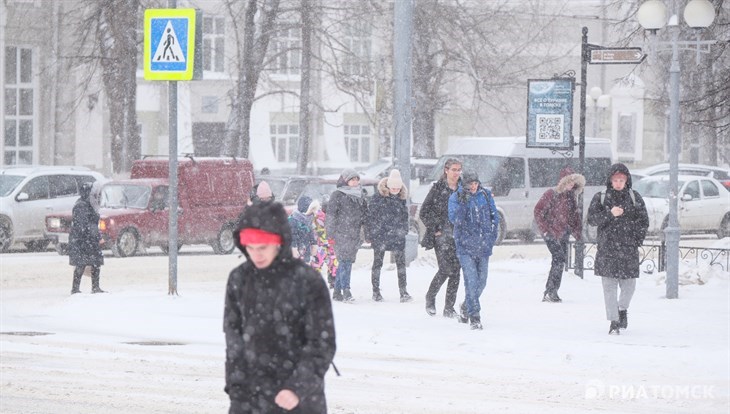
(654, 257)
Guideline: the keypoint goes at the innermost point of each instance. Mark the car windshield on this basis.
(125, 196)
(8, 183)
(654, 188)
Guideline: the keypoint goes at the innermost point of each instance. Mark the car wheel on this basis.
(724, 230)
(223, 243)
(502, 232)
(37, 245)
(126, 244)
(166, 248)
(6, 235)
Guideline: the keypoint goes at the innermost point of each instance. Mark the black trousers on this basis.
(79, 272)
(400, 264)
(449, 269)
(559, 251)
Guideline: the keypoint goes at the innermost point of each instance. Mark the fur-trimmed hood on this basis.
(567, 180)
(385, 191)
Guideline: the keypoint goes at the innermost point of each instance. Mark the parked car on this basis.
(212, 192)
(29, 193)
(720, 174)
(704, 204)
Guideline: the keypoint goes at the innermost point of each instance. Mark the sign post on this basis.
(600, 55)
(172, 41)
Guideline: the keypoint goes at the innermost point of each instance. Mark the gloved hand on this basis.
(463, 197)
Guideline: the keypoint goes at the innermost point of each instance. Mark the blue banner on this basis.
(550, 113)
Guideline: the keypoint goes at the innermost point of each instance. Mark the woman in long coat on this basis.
(346, 212)
(386, 229)
(620, 215)
(278, 324)
(84, 241)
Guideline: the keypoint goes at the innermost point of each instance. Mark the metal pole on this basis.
(579, 245)
(172, 182)
(672, 231)
(403, 22)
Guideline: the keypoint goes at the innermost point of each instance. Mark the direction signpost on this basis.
(618, 55)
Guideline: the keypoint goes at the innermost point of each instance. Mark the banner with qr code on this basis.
(550, 113)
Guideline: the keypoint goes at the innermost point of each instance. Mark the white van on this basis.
(518, 176)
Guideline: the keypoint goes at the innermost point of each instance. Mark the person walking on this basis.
(557, 217)
(262, 192)
(346, 213)
(325, 253)
(476, 227)
(303, 240)
(621, 219)
(84, 239)
(277, 320)
(439, 236)
(386, 229)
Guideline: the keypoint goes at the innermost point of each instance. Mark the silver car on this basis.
(29, 193)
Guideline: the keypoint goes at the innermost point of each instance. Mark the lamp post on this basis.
(652, 16)
(598, 101)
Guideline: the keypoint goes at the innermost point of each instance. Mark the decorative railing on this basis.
(654, 257)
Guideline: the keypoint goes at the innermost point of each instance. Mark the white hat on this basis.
(394, 180)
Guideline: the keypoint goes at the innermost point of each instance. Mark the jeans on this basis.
(475, 280)
(558, 249)
(400, 263)
(342, 281)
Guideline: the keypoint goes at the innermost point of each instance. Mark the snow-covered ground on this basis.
(531, 356)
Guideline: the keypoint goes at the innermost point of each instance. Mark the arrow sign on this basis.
(616, 55)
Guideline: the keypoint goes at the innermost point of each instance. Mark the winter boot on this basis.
(95, 281)
(613, 329)
(623, 319)
(347, 296)
(463, 317)
(476, 323)
(331, 281)
(430, 306)
(76, 282)
(377, 296)
(450, 313)
(405, 297)
(337, 295)
(551, 297)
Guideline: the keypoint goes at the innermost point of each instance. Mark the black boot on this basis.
(450, 313)
(347, 296)
(623, 319)
(331, 281)
(613, 329)
(95, 281)
(377, 296)
(337, 295)
(476, 323)
(78, 273)
(404, 296)
(430, 305)
(463, 317)
(551, 297)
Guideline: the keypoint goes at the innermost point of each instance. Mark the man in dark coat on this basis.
(557, 217)
(434, 214)
(280, 336)
(386, 229)
(84, 241)
(620, 215)
(346, 213)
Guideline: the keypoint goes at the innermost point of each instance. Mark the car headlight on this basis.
(54, 223)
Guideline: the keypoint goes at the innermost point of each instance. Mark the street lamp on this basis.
(652, 16)
(598, 101)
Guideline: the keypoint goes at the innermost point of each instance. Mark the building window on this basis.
(214, 31)
(357, 142)
(358, 47)
(287, 50)
(285, 141)
(18, 137)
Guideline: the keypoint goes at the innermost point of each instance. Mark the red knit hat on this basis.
(258, 236)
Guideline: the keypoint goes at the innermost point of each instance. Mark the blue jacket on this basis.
(475, 220)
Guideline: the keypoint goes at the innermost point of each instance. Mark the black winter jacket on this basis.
(83, 239)
(434, 212)
(278, 324)
(345, 218)
(619, 237)
(387, 223)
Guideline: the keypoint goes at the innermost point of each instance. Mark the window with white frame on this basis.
(357, 142)
(19, 91)
(286, 49)
(214, 32)
(357, 42)
(285, 141)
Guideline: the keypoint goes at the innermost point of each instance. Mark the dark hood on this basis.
(618, 167)
(267, 216)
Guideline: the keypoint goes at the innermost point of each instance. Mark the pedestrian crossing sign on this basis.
(170, 40)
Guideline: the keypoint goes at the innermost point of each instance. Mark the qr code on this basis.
(550, 128)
